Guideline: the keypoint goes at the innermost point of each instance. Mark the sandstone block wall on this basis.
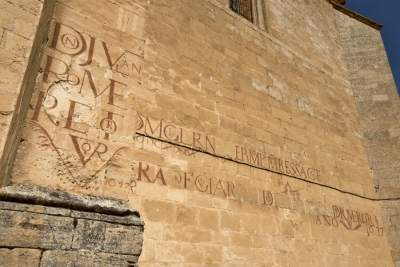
(17, 27)
(376, 98)
(238, 146)
(24, 26)
(34, 235)
(378, 105)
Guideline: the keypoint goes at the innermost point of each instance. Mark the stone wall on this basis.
(24, 27)
(238, 146)
(36, 235)
(17, 28)
(378, 105)
(298, 24)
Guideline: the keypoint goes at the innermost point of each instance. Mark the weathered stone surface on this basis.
(25, 45)
(125, 220)
(52, 258)
(239, 145)
(30, 230)
(34, 208)
(121, 239)
(19, 257)
(89, 235)
(47, 197)
(66, 237)
(378, 104)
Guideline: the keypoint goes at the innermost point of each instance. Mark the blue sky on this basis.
(386, 12)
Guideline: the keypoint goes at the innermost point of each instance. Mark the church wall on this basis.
(238, 146)
(24, 25)
(378, 106)
(17, 32)
(309, 28)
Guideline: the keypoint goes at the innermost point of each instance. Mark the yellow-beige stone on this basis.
(239, 145)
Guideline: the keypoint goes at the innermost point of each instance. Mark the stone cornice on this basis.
(59, 199)
(354, 15)
(339, 2)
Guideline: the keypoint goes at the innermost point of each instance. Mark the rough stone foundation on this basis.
(41, 227)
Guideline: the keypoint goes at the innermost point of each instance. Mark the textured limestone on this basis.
(379, 106)
(43, 235)
(53, 258)
(48, 197)
(238, 146)
(23, 42)
(35, 231)
(20, 257)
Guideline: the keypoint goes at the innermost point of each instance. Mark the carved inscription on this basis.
(141, 141)
(90, 49)
(213, 186)
(295, 224)
(273, 163)
(352, 220)
(128, 186)
(208, 185)
(83, 111)
(84, 104)
(162, 130)
(290, 192)
(143, 173)
(268, 198)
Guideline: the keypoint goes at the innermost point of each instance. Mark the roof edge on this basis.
(355, 15)
(339, 2)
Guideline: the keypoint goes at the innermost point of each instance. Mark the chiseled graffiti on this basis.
(84, 104)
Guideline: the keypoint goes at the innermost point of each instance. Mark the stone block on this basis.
(287, 228)
(193, 253)
(89, 235)
(126, 220)
(95, 207)
(105, 11)
(13, 206)
(30, 230)
(122, 39)
(19, 257)
(10, 61)
(209, 218)
(251, 223)
(200, 235)
(15, 44)
(24, 29)
(159, 211)
(131, 23)
(34, 208)
(6, 21)
(186, 214)
(76, 19)
(121, 239)
(230, 220)
(7, 102)
(52, 258)
(9, 80)
(17, 12)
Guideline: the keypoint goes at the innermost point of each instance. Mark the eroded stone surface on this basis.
(86, 259)
(378, 105)
(48, 197)
(239, 146)
(20, 257)
(38, 235)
